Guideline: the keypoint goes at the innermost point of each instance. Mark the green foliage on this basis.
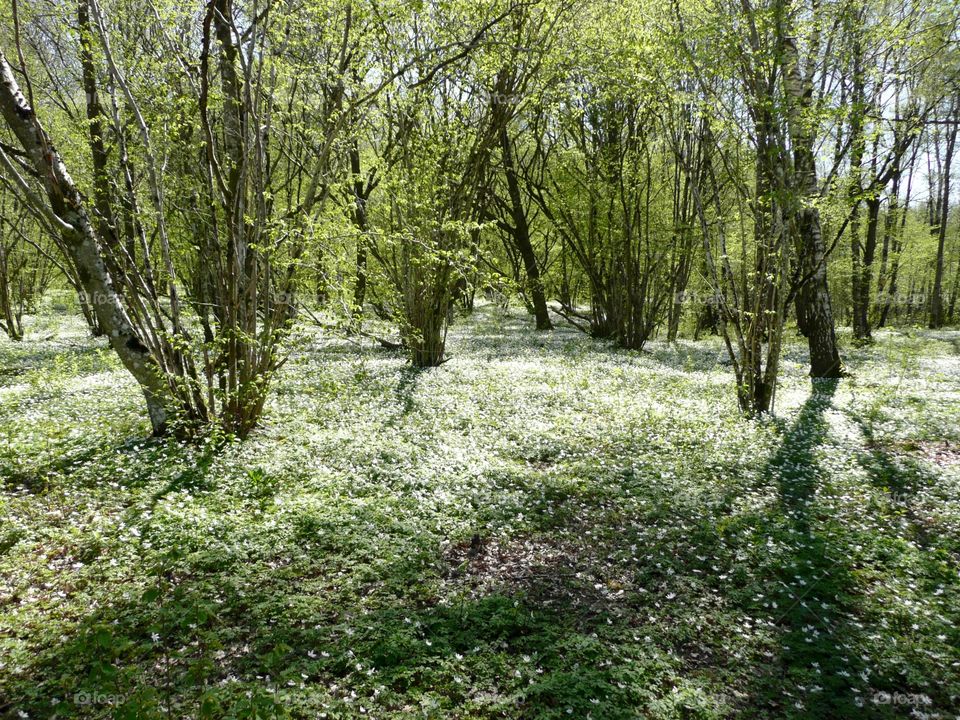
(545, 527)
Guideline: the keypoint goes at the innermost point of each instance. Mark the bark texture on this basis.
(814, 309)
(66, 208)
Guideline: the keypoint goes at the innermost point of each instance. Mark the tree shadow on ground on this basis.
(687, 356)
(406, 389)
(33, 354)
(231, 640)
(813, 611)
(36, 479)
(899, 478)
(528, 626)
(576, 616)
(616, 620)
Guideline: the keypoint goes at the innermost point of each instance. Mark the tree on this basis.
(941, 213)
(27, 266)
(245, 251)
(65, 208)
(814, 308)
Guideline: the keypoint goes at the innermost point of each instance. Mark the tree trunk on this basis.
(889, 245)
(520, 233)
(936, 299)
(67, 210)
(10, 321)
(101, 183)
(861, 296)
(953, 294)
(858, 148)
(358, 215)
(814, 309)
(897, 225)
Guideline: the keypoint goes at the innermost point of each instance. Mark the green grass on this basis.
(543, 527)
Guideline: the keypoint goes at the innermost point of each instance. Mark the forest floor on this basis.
(543, 527)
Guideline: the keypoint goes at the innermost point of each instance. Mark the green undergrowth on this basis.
(543, 527)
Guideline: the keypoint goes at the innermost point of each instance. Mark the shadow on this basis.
(405, 392)
(689, 356)
(656, 571)
(906, 482)
(343, 607)
(194, 478)
(85, 356)
(795, 461)
(37, 478)
(808, 582)
(899, 478)
(277, 637)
